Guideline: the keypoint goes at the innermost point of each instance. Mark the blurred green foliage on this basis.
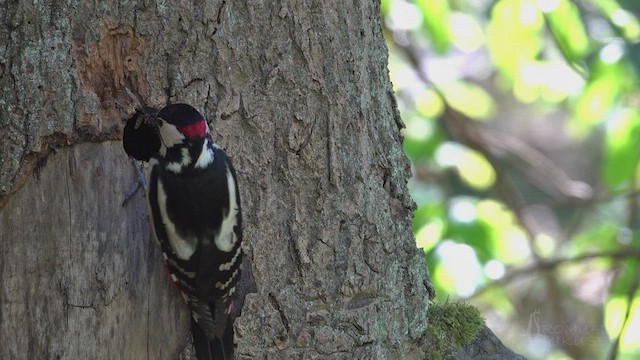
(479, 84)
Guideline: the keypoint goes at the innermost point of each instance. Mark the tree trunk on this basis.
(80, 276)
(298, 95)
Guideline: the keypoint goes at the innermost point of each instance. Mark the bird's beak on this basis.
(151, 117)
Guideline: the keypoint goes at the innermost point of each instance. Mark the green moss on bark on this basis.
(451, 325)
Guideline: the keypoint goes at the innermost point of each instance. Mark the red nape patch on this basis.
(195, 130)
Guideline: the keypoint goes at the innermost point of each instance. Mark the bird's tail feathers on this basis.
(213, 349)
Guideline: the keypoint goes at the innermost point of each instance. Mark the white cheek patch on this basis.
(170, 137)
(183, 248)
(226, 239)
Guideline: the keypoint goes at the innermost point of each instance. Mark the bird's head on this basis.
(178, 122)
(176, 126)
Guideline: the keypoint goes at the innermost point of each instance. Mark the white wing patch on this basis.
(221, 286)
(227, 238)
(176, 167)
(183, 248)
(189, 274)
(227, 266)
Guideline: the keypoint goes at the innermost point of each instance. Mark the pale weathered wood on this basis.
(80, 277)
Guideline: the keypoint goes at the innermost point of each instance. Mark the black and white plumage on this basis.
(194, 206)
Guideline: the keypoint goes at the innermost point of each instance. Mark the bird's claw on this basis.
(140, 182)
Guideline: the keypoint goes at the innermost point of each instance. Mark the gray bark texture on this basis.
(486, 346)
(298, 94)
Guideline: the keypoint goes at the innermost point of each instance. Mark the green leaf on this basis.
(598, 237)
(598, 97)
(465, 227)
(551, 81)
(514, 35)
(428, 211)
(470, 99)
(421, 139)
(615, 313)
(624, 278)
(464, 279)
(620, 148)
(623, 20)
(435, 19)
(428, 236)
(507, 241)
(472, 167)
(385, 5)
(568, 31)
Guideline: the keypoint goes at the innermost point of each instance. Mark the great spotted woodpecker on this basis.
(194, 206)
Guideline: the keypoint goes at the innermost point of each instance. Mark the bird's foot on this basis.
(140, 182)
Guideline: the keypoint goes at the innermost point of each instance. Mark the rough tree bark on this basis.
(297, 93)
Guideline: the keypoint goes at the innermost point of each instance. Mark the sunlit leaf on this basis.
(621, 18)
(430, 207)
(429, 104)
(624, 277)
(567, 29)
(600, 236)
(470, 99)
(418, 128)
(421, 138)
(430, 234)
(472, 167)
(552, 81)
(622, 139)
(507, 240)
(385, 5)
(615, 312)
(630, 340)
(465, 227)
(443, 280)
(476, 171)
(545, 244)
(465, 278)
(435, 17)
(594, 104)
(514, 35)
(597, 98)
(614, 315)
